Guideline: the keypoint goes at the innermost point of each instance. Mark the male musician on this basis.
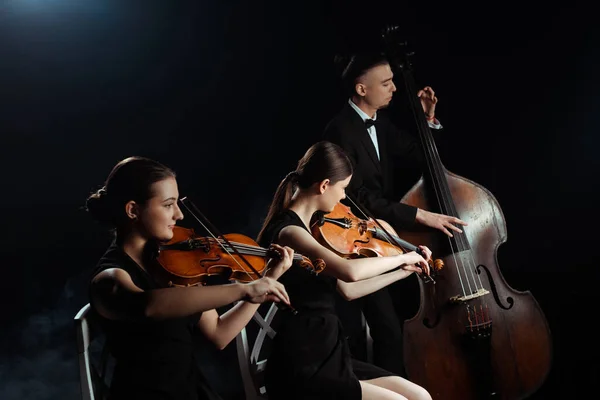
(376, 148)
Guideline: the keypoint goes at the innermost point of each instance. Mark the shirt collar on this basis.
(360, 112)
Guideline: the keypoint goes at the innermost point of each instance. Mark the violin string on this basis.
(254, 250)
(387, 236)
(396, 239)
(214, 237)
(259, 251)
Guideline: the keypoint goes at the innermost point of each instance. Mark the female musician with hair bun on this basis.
(148, 327)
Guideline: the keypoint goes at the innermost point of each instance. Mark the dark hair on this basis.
(130, 179)
(354, 66)
(323, 160)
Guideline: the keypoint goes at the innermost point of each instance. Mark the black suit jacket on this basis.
(372, 184)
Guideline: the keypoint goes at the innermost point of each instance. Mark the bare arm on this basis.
(221, 330)
(347, 270)
(354, 290)
(115, 296)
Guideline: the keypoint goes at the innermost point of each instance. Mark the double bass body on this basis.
(506, 354)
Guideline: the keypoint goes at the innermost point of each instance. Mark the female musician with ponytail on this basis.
(310, 358)
(149, 328)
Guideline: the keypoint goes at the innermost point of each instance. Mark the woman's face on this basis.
(334, 193)
(160, 213)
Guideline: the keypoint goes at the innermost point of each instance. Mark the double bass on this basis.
(473, 337)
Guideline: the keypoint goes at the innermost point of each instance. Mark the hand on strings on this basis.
(266, 289)
(428, 101)
(418, 263)
(278, 265)
(439, 221)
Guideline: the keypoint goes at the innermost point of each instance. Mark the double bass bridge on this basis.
(461, 299)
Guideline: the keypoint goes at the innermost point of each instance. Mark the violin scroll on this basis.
(315, 267)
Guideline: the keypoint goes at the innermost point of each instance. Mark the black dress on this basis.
(310, 358)
(154, 359)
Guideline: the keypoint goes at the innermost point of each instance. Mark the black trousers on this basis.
(386, 330)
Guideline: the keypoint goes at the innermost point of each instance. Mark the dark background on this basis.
(230, 95)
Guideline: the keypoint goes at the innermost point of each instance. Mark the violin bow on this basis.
(390, 237)
(212, 229)
(206, 222)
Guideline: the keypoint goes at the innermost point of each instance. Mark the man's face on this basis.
(376, 87)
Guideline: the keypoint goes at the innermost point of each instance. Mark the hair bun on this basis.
(97, 204)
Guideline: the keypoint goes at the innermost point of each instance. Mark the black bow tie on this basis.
(370, 122)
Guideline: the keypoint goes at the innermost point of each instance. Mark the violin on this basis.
(190, 259)
(352, 237)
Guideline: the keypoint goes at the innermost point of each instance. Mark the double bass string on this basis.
(443, 195)
(436, 171)
(444, 199)
(518, 359)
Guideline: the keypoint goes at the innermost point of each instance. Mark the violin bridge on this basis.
(464, 298)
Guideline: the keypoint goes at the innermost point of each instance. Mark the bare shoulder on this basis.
(110, 274)
(301, 241)
(112, 279)
(290, 235)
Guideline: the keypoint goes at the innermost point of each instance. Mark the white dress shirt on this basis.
(373, 132)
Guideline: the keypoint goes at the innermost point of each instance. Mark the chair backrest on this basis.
(252, 366)
(93, 357)
(252, 361)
